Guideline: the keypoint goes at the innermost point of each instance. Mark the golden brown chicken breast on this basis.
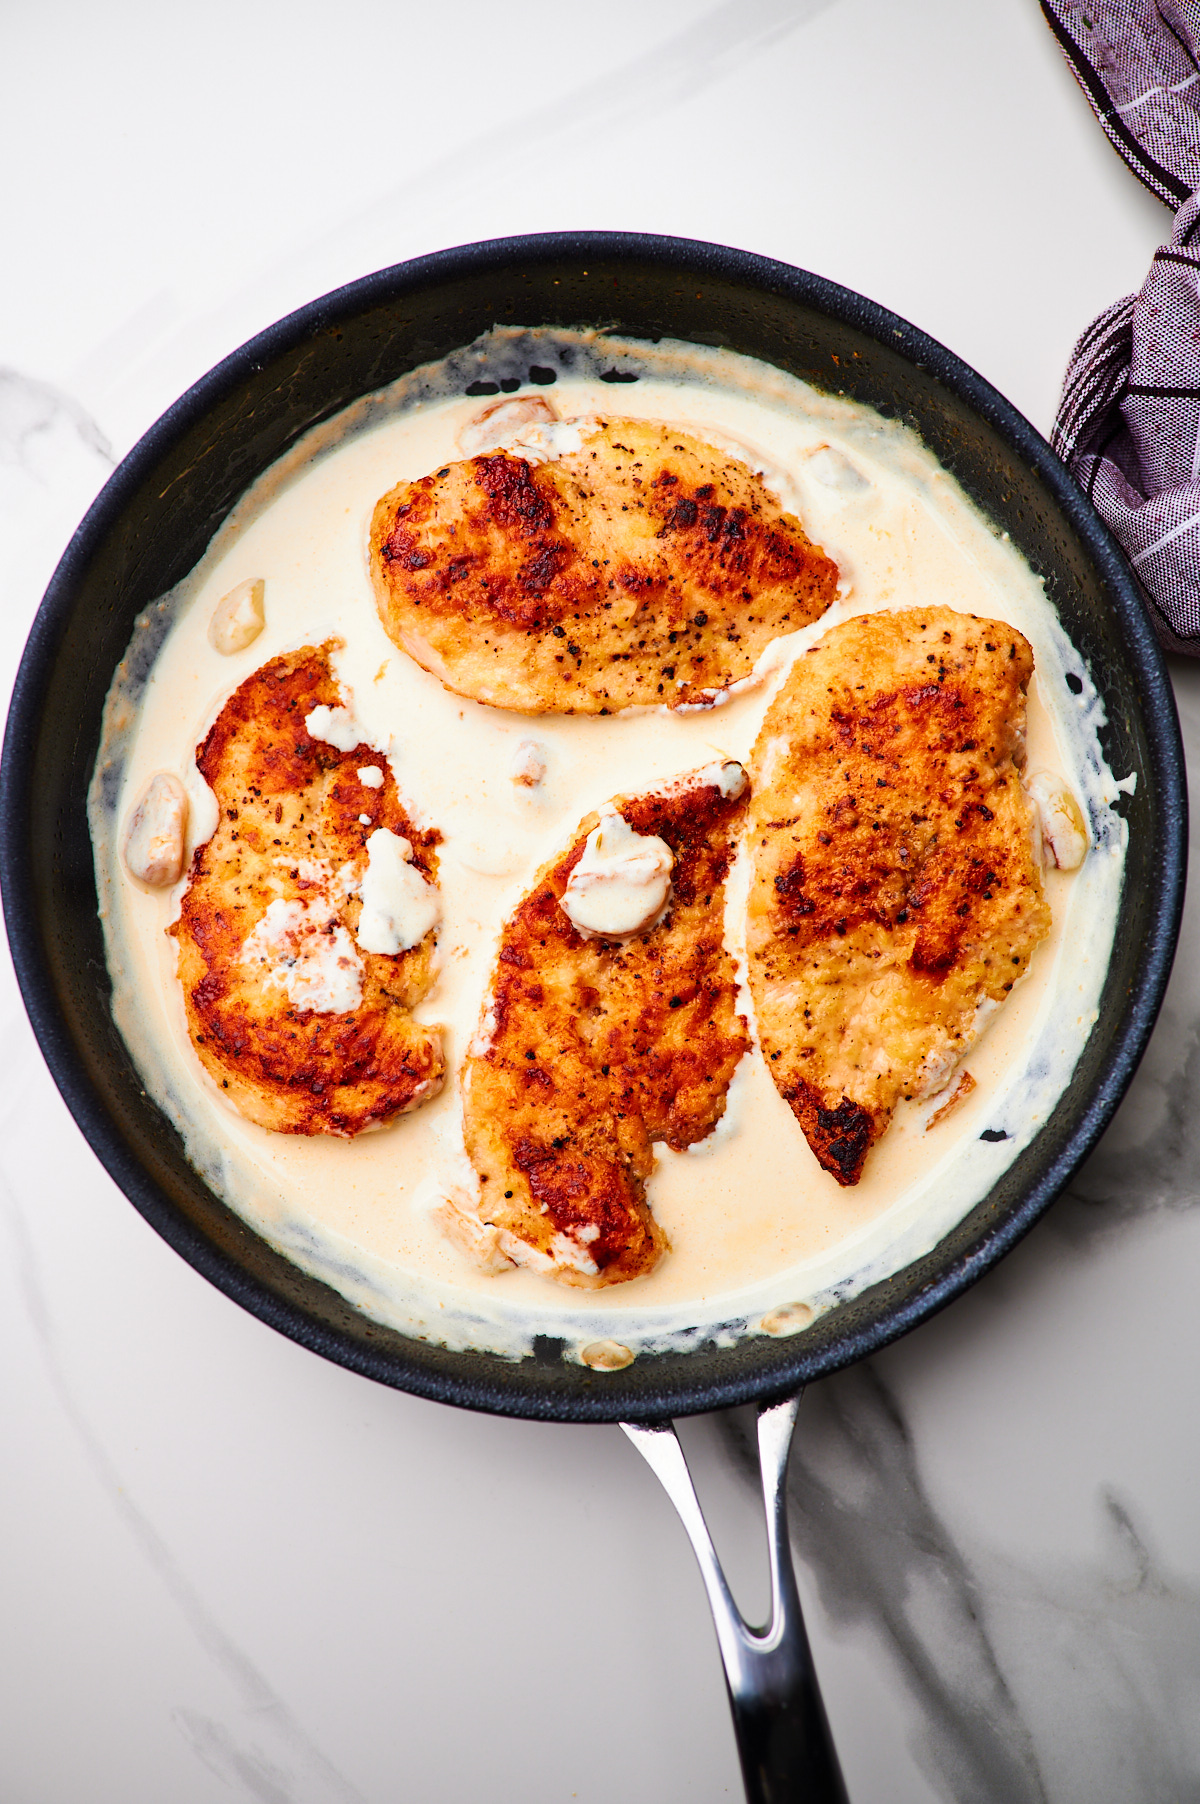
(642, 566)
(304, 1028)
(592, 1047)
(895, 898)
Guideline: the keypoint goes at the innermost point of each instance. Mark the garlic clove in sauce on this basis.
(1059, 819)
(606, 1356)
(502, 421)
(475, 1239)
(833, 470)
(156, 836)
(528, 766)
(791, 1318)
(238, 617)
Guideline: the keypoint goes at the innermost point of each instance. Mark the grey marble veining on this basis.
(260, 1744)
(1026, 1680)
(882, 1558)
(707, 50)
(32, 415)
(53, 460)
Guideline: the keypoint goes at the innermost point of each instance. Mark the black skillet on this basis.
(149, 527)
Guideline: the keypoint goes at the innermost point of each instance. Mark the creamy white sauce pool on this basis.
(758, 1231)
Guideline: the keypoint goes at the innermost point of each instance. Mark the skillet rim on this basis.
(785, 1364)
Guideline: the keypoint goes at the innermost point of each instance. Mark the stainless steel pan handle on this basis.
(783, 1738)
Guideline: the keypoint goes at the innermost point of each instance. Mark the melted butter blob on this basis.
(620, 885)
(398, 906)
(757, 1229)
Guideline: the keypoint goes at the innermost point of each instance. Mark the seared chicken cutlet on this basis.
(641, 566)
(305, 934)
(593, 1046)
(895, 897)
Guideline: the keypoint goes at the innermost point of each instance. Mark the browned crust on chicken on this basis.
(288, 801)
(894, 884)
(647, 567)
(590, 1050)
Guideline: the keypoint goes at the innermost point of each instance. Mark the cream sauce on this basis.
(762, 1239)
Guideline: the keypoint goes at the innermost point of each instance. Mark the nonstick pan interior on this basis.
(153, 521)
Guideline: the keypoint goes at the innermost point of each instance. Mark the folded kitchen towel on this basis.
(1129, 421)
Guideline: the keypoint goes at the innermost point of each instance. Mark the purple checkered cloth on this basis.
(1129, 421)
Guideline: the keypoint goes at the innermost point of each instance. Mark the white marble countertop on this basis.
(232, 1570)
